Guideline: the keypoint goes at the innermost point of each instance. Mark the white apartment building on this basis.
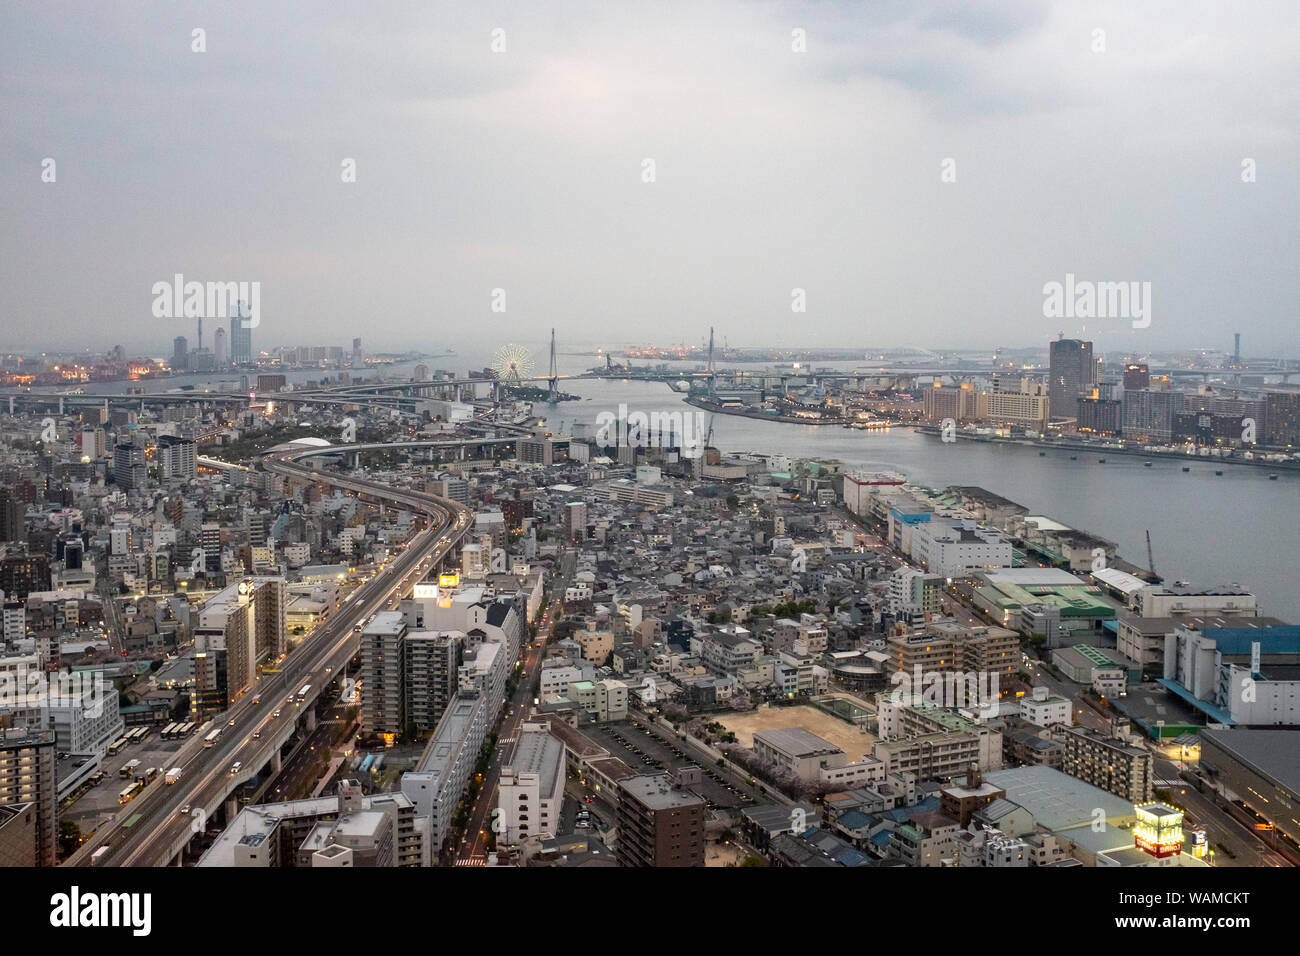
(1045, 709)
(531, 788)
(914, 590)
(297, 554)
(555, 681)
(953, 548)
(604, 700)
(440, 777)
(84, 722)
(474, 562)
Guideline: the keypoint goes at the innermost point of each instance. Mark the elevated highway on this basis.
(256, 727)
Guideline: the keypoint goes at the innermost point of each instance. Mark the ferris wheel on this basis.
(513, 364)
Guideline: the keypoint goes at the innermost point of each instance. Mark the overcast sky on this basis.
(774, 170)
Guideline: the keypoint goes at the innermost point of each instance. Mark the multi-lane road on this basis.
(257, 725)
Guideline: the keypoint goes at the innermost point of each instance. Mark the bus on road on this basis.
(169, 731)
(212, 736)
(128, 769)
(302, 694)
(117, 746)
(127, 794)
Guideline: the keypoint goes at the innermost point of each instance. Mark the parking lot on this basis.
(646, 753)
(100, 802)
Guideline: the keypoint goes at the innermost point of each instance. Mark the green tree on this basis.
(69, 837)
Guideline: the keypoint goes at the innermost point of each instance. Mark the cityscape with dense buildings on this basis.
(695, 437)
(417, 621)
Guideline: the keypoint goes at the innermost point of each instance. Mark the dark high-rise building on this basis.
(208, 692)
(1207, 428)
(432, 671)
(659, 823)
(1072, 370)
(241, 337)
(1150, 415)
(1100, 416)
(27, 777)
(1283, 417)
(21, 574)
(1136, 376)
(73, 551)
(180, 351)
(210, 541)
(11, 516)
(129, 468)
(515, 511)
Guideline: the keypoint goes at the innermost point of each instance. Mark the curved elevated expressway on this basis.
(253, 735)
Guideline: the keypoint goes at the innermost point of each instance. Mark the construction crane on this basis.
(1151, 559)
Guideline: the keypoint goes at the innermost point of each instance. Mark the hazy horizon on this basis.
(775, 169)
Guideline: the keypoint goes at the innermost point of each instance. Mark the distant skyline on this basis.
(920, 171)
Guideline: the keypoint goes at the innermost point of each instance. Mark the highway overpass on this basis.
(257, 726)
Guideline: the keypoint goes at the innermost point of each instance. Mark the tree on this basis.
(752, 860)
(69, 837)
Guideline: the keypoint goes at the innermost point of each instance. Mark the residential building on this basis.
(532, 787)
(27, 777)
(349, 829)
(1109, 763)
(660, 823)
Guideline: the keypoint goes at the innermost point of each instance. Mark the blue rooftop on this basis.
(854, 820)
(1278, 639)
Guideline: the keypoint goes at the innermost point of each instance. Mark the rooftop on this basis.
(656, 791)
(1271, 753)
(796, 742)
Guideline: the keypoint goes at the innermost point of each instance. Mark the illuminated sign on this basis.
(1158, 830)
(448, 580)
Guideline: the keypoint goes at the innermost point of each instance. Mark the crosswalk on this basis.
(472, 861)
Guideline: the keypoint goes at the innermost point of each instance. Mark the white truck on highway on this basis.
(173, 775)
